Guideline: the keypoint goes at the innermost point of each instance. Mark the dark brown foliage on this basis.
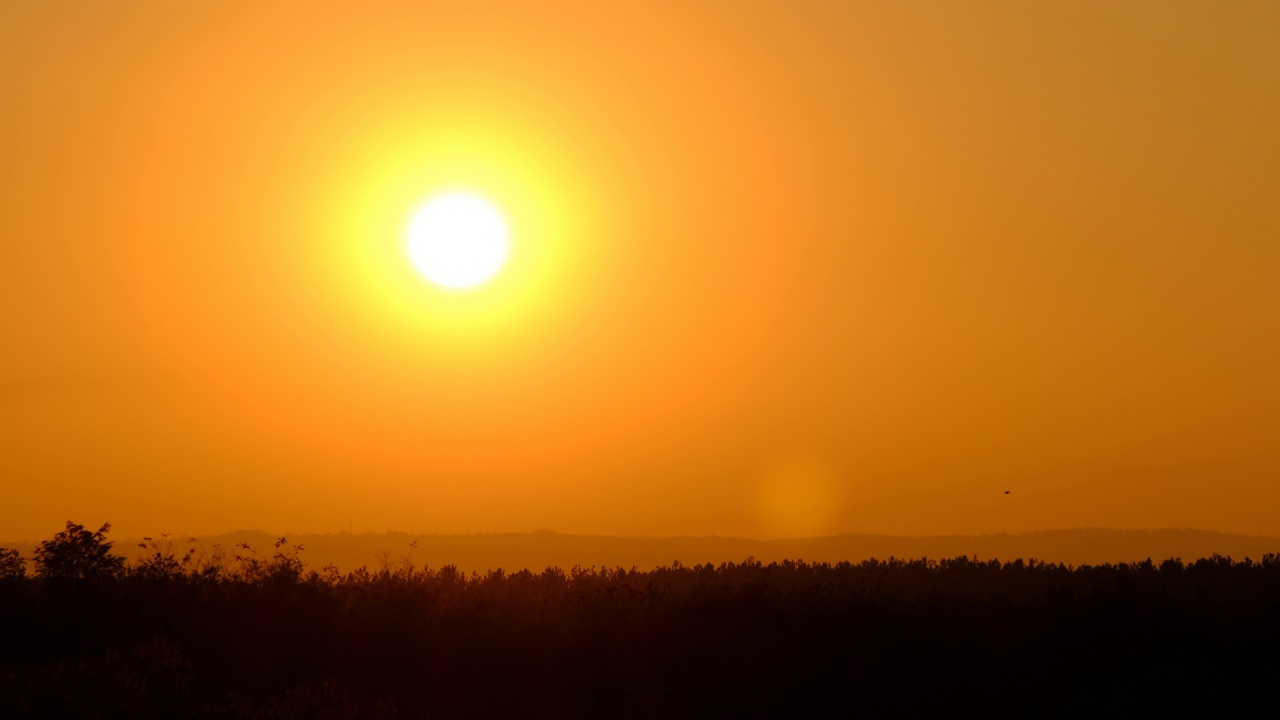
(12, 567)
(209, 634)
(79, 555)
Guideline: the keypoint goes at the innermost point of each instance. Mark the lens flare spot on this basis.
(798, 496)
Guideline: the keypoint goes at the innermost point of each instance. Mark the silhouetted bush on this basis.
(78, 554)
(212, 634)
(12, 566)
(161, 561)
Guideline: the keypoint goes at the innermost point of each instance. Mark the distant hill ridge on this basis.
(541, 549)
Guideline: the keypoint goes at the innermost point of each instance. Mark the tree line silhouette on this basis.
(196, 632)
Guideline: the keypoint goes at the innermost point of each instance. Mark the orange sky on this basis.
(778, 268)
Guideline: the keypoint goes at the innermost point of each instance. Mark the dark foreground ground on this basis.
(245, 635)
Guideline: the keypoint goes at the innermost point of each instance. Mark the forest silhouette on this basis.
(242, 632)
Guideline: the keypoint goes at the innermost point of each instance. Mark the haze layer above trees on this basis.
(539, 550)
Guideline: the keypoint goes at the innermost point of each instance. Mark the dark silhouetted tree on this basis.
(78, 554)
(11, 565)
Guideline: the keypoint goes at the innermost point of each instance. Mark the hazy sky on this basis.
(778, 268)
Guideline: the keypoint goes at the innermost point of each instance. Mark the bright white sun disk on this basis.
(458, 240)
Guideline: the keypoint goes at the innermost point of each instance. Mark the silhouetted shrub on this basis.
(161, 562)
(285, 564)
(12, 566)
(78, 554)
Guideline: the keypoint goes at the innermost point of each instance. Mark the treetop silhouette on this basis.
(78, 554)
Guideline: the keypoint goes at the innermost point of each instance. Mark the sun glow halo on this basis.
(458, 240)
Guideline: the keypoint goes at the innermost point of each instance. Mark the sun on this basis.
(458, 240)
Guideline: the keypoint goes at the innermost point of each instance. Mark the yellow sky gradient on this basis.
(777, 268)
